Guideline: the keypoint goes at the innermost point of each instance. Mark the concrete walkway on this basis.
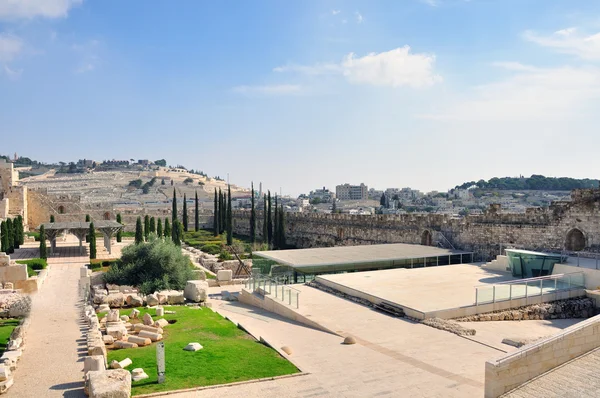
(52, 361)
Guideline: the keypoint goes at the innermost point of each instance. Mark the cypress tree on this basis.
(222, 212)
(167, 231)
(87, 236)
(11, 239)
(120, 232)
(252, 217)
(139, 233)
(43, 251)
(4, 237)
(196, 215)
(275, 226)
(16, 233)
(229, 217)
(269, 221)
(281, 225)
(216, 216)
(174, 209)
(265, 226)
(51, 217)
(92, 234)
(21, 229)
(152, 225)
(184, 216)
(176, 232)
(146, 226)
(159, 230)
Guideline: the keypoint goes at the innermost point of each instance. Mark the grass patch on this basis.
(33, 265)
(101, 265)
(229, 354)
(6, 328)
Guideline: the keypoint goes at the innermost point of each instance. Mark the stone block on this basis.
(108, 340)
(9, 286)
(112, 316)
(161, 323)
(109, 384)
(196, 291)
(148, 319)
(193, 347)
(152, 299)
(124, 344)
(6, 384)
(138, 327)
(115, 300)
(224, 275)
(133, 300)
(160, 311)
(150, 335)
(94, 363)
(5, 373)
(134, 313)
(124, 318)
(121, 364)
(140, 341)
(138, 374)
(117, 332)
(199, 274)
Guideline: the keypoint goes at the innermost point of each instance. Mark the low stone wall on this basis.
(514, 369)
(562, 309)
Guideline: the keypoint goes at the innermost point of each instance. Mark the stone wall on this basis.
(512, 370)
(536, 229)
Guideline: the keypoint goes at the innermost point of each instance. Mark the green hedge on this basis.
(35, 263)
(99, 263)
(36, 235)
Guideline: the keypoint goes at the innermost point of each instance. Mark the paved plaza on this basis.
(423, 289)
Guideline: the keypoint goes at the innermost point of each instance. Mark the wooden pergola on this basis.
(80, 230)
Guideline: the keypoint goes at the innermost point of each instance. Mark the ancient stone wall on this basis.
(557, 227)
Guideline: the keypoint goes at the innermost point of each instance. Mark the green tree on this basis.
(146, 226)
(43, 250)
(269, 221)
(167, 232)
(176, 232)
(152, 225)
(159, 229)
(334, 207)
(252, 215)
(92, 233)
(21, 230)
(11, 239)
(275, 227)
(222, 212)
(4, 237)
(196, 215)
(281, 225)
(265, 227)
(153, 266)
(229, 217)
(120, 232)
(216, 216)
(139, 232)
(16, 233)
(174, 209)
(51, 217)
(87, 236)
(161, 162)
(382, 199)
(184, 216)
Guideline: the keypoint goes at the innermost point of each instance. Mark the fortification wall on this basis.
(537, 229)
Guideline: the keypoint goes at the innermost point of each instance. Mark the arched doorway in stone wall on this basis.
(575, 240)
(61, 209)
(106, 216)
(426, 238)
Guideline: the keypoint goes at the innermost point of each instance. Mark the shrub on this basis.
(152, 266)
(34, 263)
(36, 235)
(224, 256)
(96, 264)
(211, 249)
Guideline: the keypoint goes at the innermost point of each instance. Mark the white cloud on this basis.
(432, 3)
(88, 55)
(10, 47)
(15, 9)
(530, 94)
(276, 89)
(392, 68)
(335, 12)
(359, 17)
(12, 74)
(569, 41)
(515, 66)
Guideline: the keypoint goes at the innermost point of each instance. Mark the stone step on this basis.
(390, 309)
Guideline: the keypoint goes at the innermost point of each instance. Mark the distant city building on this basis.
(85, 163)
(375, 194)
(144, 162)
(116, 162)
(352, 192)
(325, 195)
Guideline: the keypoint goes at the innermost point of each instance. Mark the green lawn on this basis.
(6, 328)
(229, 354)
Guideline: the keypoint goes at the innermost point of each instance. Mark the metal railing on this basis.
(267, 285)
(530, 287)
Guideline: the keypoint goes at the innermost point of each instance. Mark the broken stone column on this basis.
(138, 374)
(160, 311)
(140, 341)
(161, 323)
(148, 319)
(121, 364)
(124, 344)
(150, 335)
(134, 313)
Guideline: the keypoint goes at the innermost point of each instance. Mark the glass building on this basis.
(528, 264)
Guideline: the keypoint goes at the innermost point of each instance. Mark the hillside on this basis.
(535, 182)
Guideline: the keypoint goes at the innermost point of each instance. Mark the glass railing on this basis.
(264, 285)
(531, 287)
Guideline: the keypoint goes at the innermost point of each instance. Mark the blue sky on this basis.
(303, 94)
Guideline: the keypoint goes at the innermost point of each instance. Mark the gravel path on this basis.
(52, 362)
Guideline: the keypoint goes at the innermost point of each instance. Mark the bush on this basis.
(211, 249)
(224, 256)
(152, 266)
(96, 264)
(36, 235)
(35, 263)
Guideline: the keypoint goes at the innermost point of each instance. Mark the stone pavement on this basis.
(393, 357)
(52, 361)
(575, 379)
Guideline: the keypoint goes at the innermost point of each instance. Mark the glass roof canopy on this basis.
(365, 257)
